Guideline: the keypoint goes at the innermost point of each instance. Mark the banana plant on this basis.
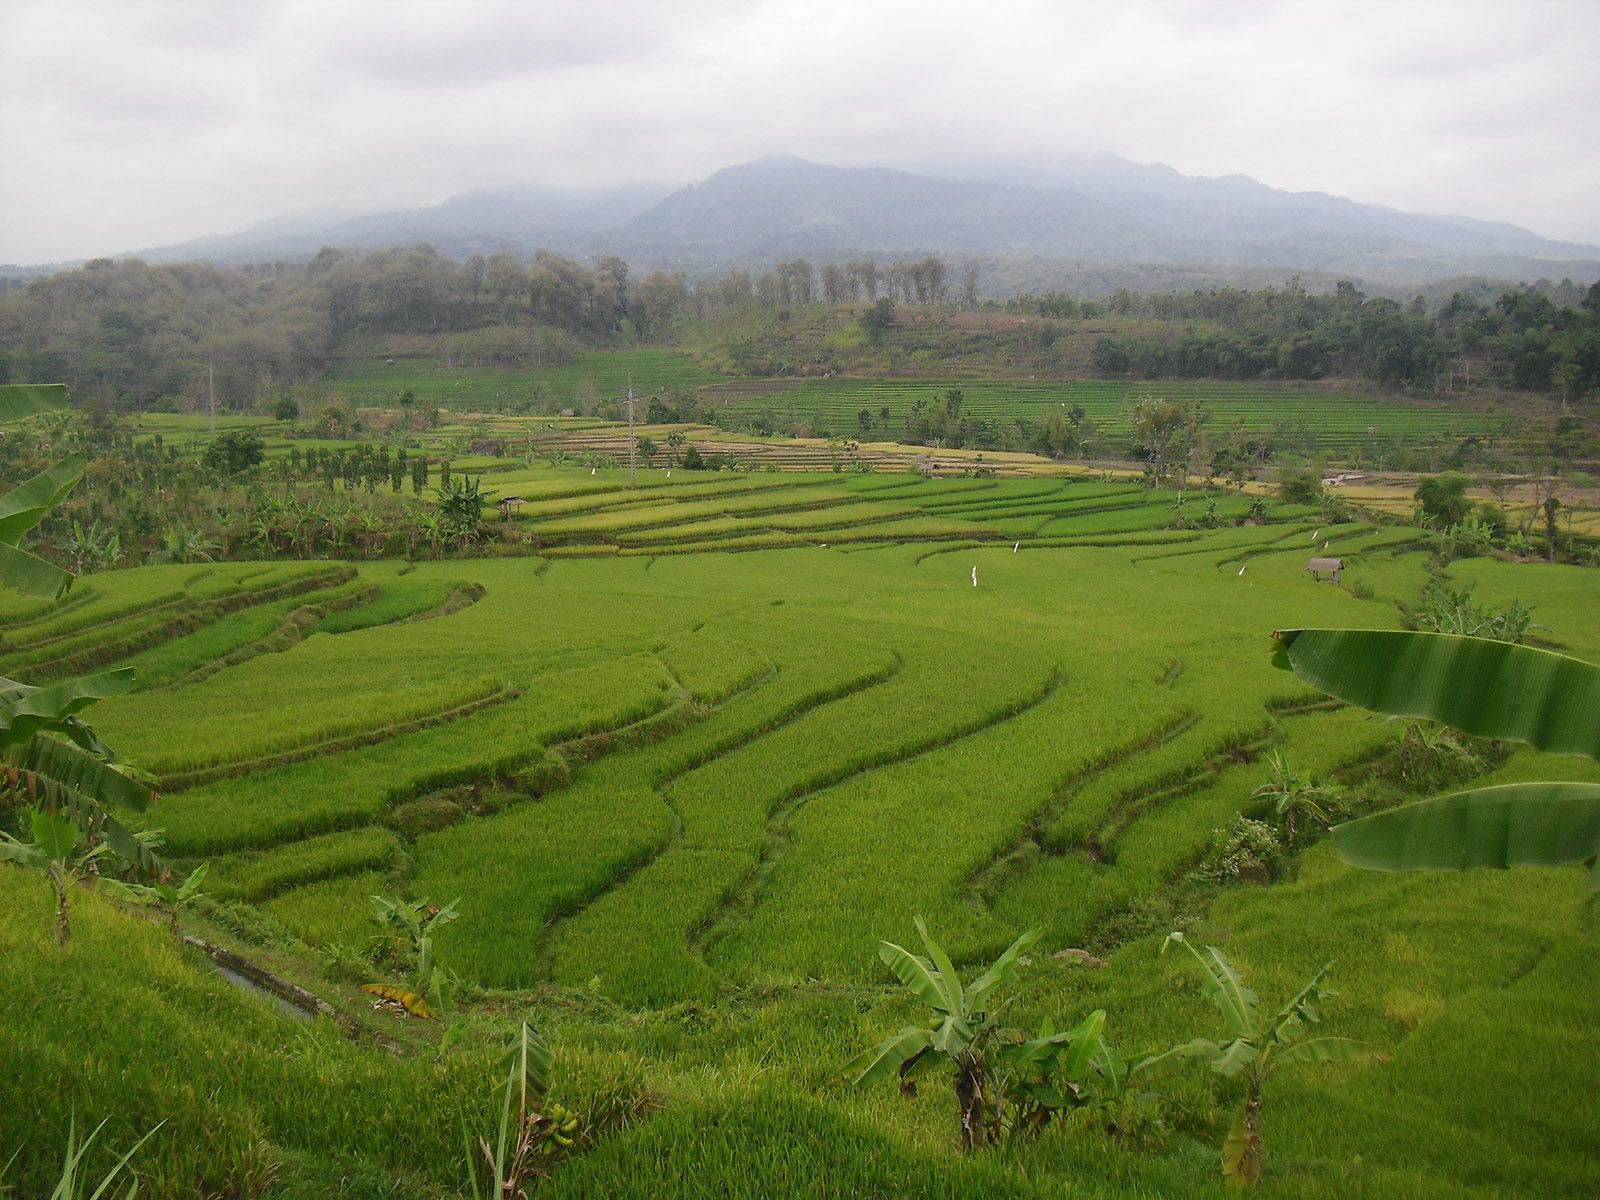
(163, 892)
(1256, 1046)
(964, 1031)
(528, 1139)
(49, 758)
(408, 927)
(1487, 688)
(61, 852)
(93, 548)
(184, 545)
(1056, 1072)
(1294, 797)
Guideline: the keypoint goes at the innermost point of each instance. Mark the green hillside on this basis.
(686, 767)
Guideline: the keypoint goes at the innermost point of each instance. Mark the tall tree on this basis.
(864, 274)
(835, 283)
(1165, 432)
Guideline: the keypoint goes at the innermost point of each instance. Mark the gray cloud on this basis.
(135, 124)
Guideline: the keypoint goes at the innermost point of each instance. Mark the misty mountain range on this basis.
(1027, 225)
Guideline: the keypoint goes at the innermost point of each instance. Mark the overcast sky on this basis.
(126, 124)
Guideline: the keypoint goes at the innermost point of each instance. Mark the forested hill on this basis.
(1034, 229)
(135, 335)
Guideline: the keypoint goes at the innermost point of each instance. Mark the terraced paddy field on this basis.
(1306, 419)
(684, 771)
(1315, 419)
(594, 376)
(564, 514)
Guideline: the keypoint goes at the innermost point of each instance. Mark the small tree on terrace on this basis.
(461, 508)
(879, 319)
(1442, 499)
(1297, 486)
(233, 451)
(1164, 432)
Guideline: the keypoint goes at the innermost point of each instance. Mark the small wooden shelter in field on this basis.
(1326, 568)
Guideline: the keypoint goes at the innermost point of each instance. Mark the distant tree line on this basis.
(926, 280)
(1524, 339)
(139, 336)
(136, 336)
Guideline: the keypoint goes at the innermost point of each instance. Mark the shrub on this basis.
(1248, 850)
(1296, 486)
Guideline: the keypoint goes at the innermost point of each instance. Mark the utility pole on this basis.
(211, 389)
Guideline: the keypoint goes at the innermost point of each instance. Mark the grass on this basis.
(237, 1085)
(256, 875)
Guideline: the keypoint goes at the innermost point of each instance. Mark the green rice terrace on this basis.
(1341, 421)
(660, 779)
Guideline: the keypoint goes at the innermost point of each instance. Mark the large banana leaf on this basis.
(1324, 1049)
(83, 810)
(918, 974)
(26, 853)
(1087, 1043)
(528, 1062)
(20, 510)
(407, 999)
(56, 836)
(1004, 970)
(70, 777)
(890, 1055)
(72, 767)
(1222, 983)
(26, 710)
(20, 400)
(1304, 1010)
(1519, 824)
(1160, 1064)
(1486, 688)
(32, 575)
(949, 980)
(25, 505)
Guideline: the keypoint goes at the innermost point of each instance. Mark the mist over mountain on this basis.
(1046, 221)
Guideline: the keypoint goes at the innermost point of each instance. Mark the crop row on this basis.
(241, 635)
(125, 617)
(320, 727)
(257, 874)
(641, 934)
(841, 514)
(355, 788)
